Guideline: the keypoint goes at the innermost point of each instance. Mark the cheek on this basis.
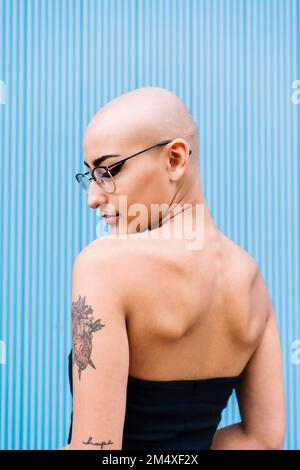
(148, 187)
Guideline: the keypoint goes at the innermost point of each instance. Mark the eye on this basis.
(105, 174)
(115, 169)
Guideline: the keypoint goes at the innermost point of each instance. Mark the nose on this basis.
(96, 196)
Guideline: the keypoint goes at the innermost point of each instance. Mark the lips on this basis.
(110, 215)
(110, 219)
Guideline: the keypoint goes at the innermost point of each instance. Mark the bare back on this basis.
(179, 314)
(191, 314)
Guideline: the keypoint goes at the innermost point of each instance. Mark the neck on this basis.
(187, 217)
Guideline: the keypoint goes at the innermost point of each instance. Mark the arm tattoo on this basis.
(83, 327)
(101, 444)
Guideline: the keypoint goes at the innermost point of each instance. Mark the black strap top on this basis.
(172, 414)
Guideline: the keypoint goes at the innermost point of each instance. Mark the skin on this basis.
(182, 314)
(142, 118)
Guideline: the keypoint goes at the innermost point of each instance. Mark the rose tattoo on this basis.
(83, 327)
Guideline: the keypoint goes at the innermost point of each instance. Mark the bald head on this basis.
(165, 175)
(142, 117)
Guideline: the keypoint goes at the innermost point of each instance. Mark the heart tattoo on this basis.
(83, 327)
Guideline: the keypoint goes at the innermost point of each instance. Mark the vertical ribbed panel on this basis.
(233, 63)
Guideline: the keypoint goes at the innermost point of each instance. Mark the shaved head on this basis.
(131, 123)
(144, 116)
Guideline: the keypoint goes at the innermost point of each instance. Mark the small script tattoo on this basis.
(83, 327)
(101, 444)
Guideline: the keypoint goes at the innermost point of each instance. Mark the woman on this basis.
(169, 315)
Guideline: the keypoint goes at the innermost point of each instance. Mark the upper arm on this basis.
(100, 354)
(261, 395)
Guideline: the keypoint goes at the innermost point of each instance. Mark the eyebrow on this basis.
(99, 160)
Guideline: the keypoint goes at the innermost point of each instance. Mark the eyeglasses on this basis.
(103, 175)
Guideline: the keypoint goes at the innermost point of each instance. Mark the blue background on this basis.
(233, 64)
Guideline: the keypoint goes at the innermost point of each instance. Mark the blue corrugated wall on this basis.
(233, 62)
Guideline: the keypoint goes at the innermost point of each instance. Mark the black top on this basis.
(172, 414)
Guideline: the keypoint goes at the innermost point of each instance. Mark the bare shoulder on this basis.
(96, 247)
(240, 272)
(128, 251)
(115, 260)
(104, 248)
(247, 292)
(242, 267)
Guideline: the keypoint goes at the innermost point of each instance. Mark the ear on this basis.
(178, 159)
